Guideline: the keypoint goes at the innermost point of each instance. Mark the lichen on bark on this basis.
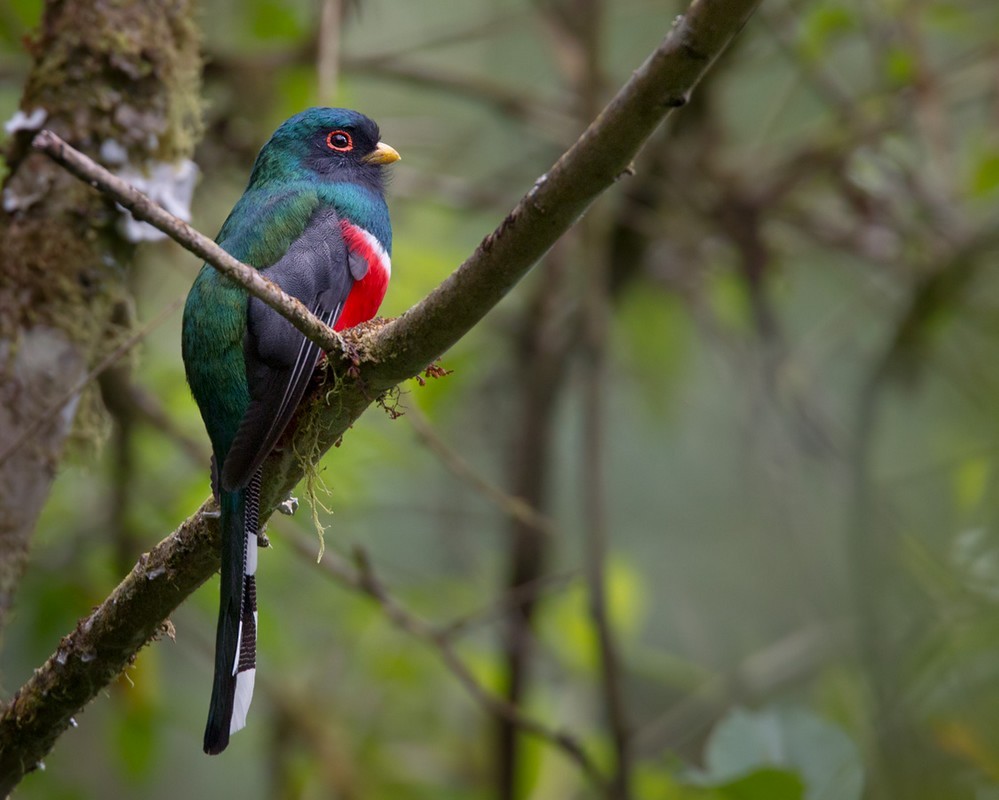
(127, 72)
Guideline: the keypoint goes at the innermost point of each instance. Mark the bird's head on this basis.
(331, 144)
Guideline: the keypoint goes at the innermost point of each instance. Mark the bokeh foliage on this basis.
(799, 462)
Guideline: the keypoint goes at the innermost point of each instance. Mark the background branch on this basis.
(512, 505)
(364, 580)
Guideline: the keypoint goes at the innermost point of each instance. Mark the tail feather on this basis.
(236, 635)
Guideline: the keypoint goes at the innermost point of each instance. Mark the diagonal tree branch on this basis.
(559, 198)
(106, 641)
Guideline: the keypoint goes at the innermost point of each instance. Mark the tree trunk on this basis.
(124, 73)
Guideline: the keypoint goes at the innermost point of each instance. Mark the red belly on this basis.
(364, 299)
(367, 294)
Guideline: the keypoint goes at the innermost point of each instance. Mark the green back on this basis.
(261, 227)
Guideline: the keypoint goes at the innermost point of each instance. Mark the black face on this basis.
(336, 145)
(337, 152)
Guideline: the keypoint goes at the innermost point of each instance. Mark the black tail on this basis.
(236, 636)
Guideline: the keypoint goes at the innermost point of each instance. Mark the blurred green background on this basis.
(799, 459)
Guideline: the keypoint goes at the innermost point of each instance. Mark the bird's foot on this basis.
(211, 514)
(262, 540)
(288, 506)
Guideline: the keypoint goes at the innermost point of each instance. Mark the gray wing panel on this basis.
(279, 359)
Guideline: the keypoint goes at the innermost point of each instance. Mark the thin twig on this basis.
(364, 580)
(791, 660)
(510, 504)
(142, 208)
(437, 41)
(513, 597)
(541, 113)
(146, 408)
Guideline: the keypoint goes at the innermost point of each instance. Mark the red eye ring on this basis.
(340, 141)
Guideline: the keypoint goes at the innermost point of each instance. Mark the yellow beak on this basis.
(382, 154)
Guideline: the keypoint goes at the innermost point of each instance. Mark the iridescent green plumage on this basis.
(258, 232)
(248, 367)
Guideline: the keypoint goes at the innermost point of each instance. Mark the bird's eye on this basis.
(339, 141)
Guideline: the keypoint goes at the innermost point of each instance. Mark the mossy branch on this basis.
(383, 354)
(103, 644)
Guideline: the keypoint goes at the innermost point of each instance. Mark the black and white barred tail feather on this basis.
(236, 636)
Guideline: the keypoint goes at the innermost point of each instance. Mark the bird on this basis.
(313, 219)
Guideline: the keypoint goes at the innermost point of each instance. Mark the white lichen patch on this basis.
(12, 201)
(31, 121)
(113, 153)
(169, 185)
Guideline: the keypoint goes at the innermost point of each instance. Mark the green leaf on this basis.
(653, 339)
(971, 480)
(566, 625)
(136, 735)
(727, 298)
(271, 20)
(822, 754)
(824, 24)
(767, 783)
(626, 597)
(764, 784)
(654, 780)
(900, 66)
(985, 179)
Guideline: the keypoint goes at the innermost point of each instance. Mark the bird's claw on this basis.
(288, 506)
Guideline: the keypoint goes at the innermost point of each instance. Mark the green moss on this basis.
(110, 70)
(102, 71)
(307, 445)
(120, 72)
